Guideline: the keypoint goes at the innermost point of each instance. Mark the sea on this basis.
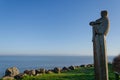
(47, 62)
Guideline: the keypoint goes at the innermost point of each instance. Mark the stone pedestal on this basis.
(100, 58)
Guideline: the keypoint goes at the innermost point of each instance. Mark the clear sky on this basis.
(55, 27)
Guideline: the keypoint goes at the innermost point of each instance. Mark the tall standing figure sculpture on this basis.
(100, 29)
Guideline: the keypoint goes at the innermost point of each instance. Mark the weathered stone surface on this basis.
(13, 71)
(72, 67)
(49, 71)
(116, 64)
(8, 78)
(100, 28)
(27, 72)
(33, 72)
(76, 67)
(65, 69)
(30, 72)
(38, 74)
(90, 65)
(83, 65)
(20, 76)
(41, 70)
(57, 70)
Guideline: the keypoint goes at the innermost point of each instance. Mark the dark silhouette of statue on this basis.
(100, 29)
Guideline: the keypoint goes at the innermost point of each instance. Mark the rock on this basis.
(7, 78)
(40, 71)
(13, 71)
(30, 72)
(72, 67)
(49, 71)
(33, 72)
(116, 64)
(27, 72)
(38, 74)
(89, 65)
(57, 70)
(65, 69)
(82, 65)
(76, 67)
(20, 76)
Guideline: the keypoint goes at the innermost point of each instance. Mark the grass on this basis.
(77, 74)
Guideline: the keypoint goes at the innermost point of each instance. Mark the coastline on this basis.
(14, 72)
(55, 73)
(46, 62)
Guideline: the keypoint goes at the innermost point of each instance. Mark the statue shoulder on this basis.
(98, 20)
(105, 20)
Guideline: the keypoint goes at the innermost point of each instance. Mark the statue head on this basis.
(104, 13)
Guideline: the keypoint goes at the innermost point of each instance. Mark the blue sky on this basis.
(55, 27)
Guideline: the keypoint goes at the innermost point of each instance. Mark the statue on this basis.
(100, 29)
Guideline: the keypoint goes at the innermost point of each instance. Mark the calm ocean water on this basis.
(47, 62)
